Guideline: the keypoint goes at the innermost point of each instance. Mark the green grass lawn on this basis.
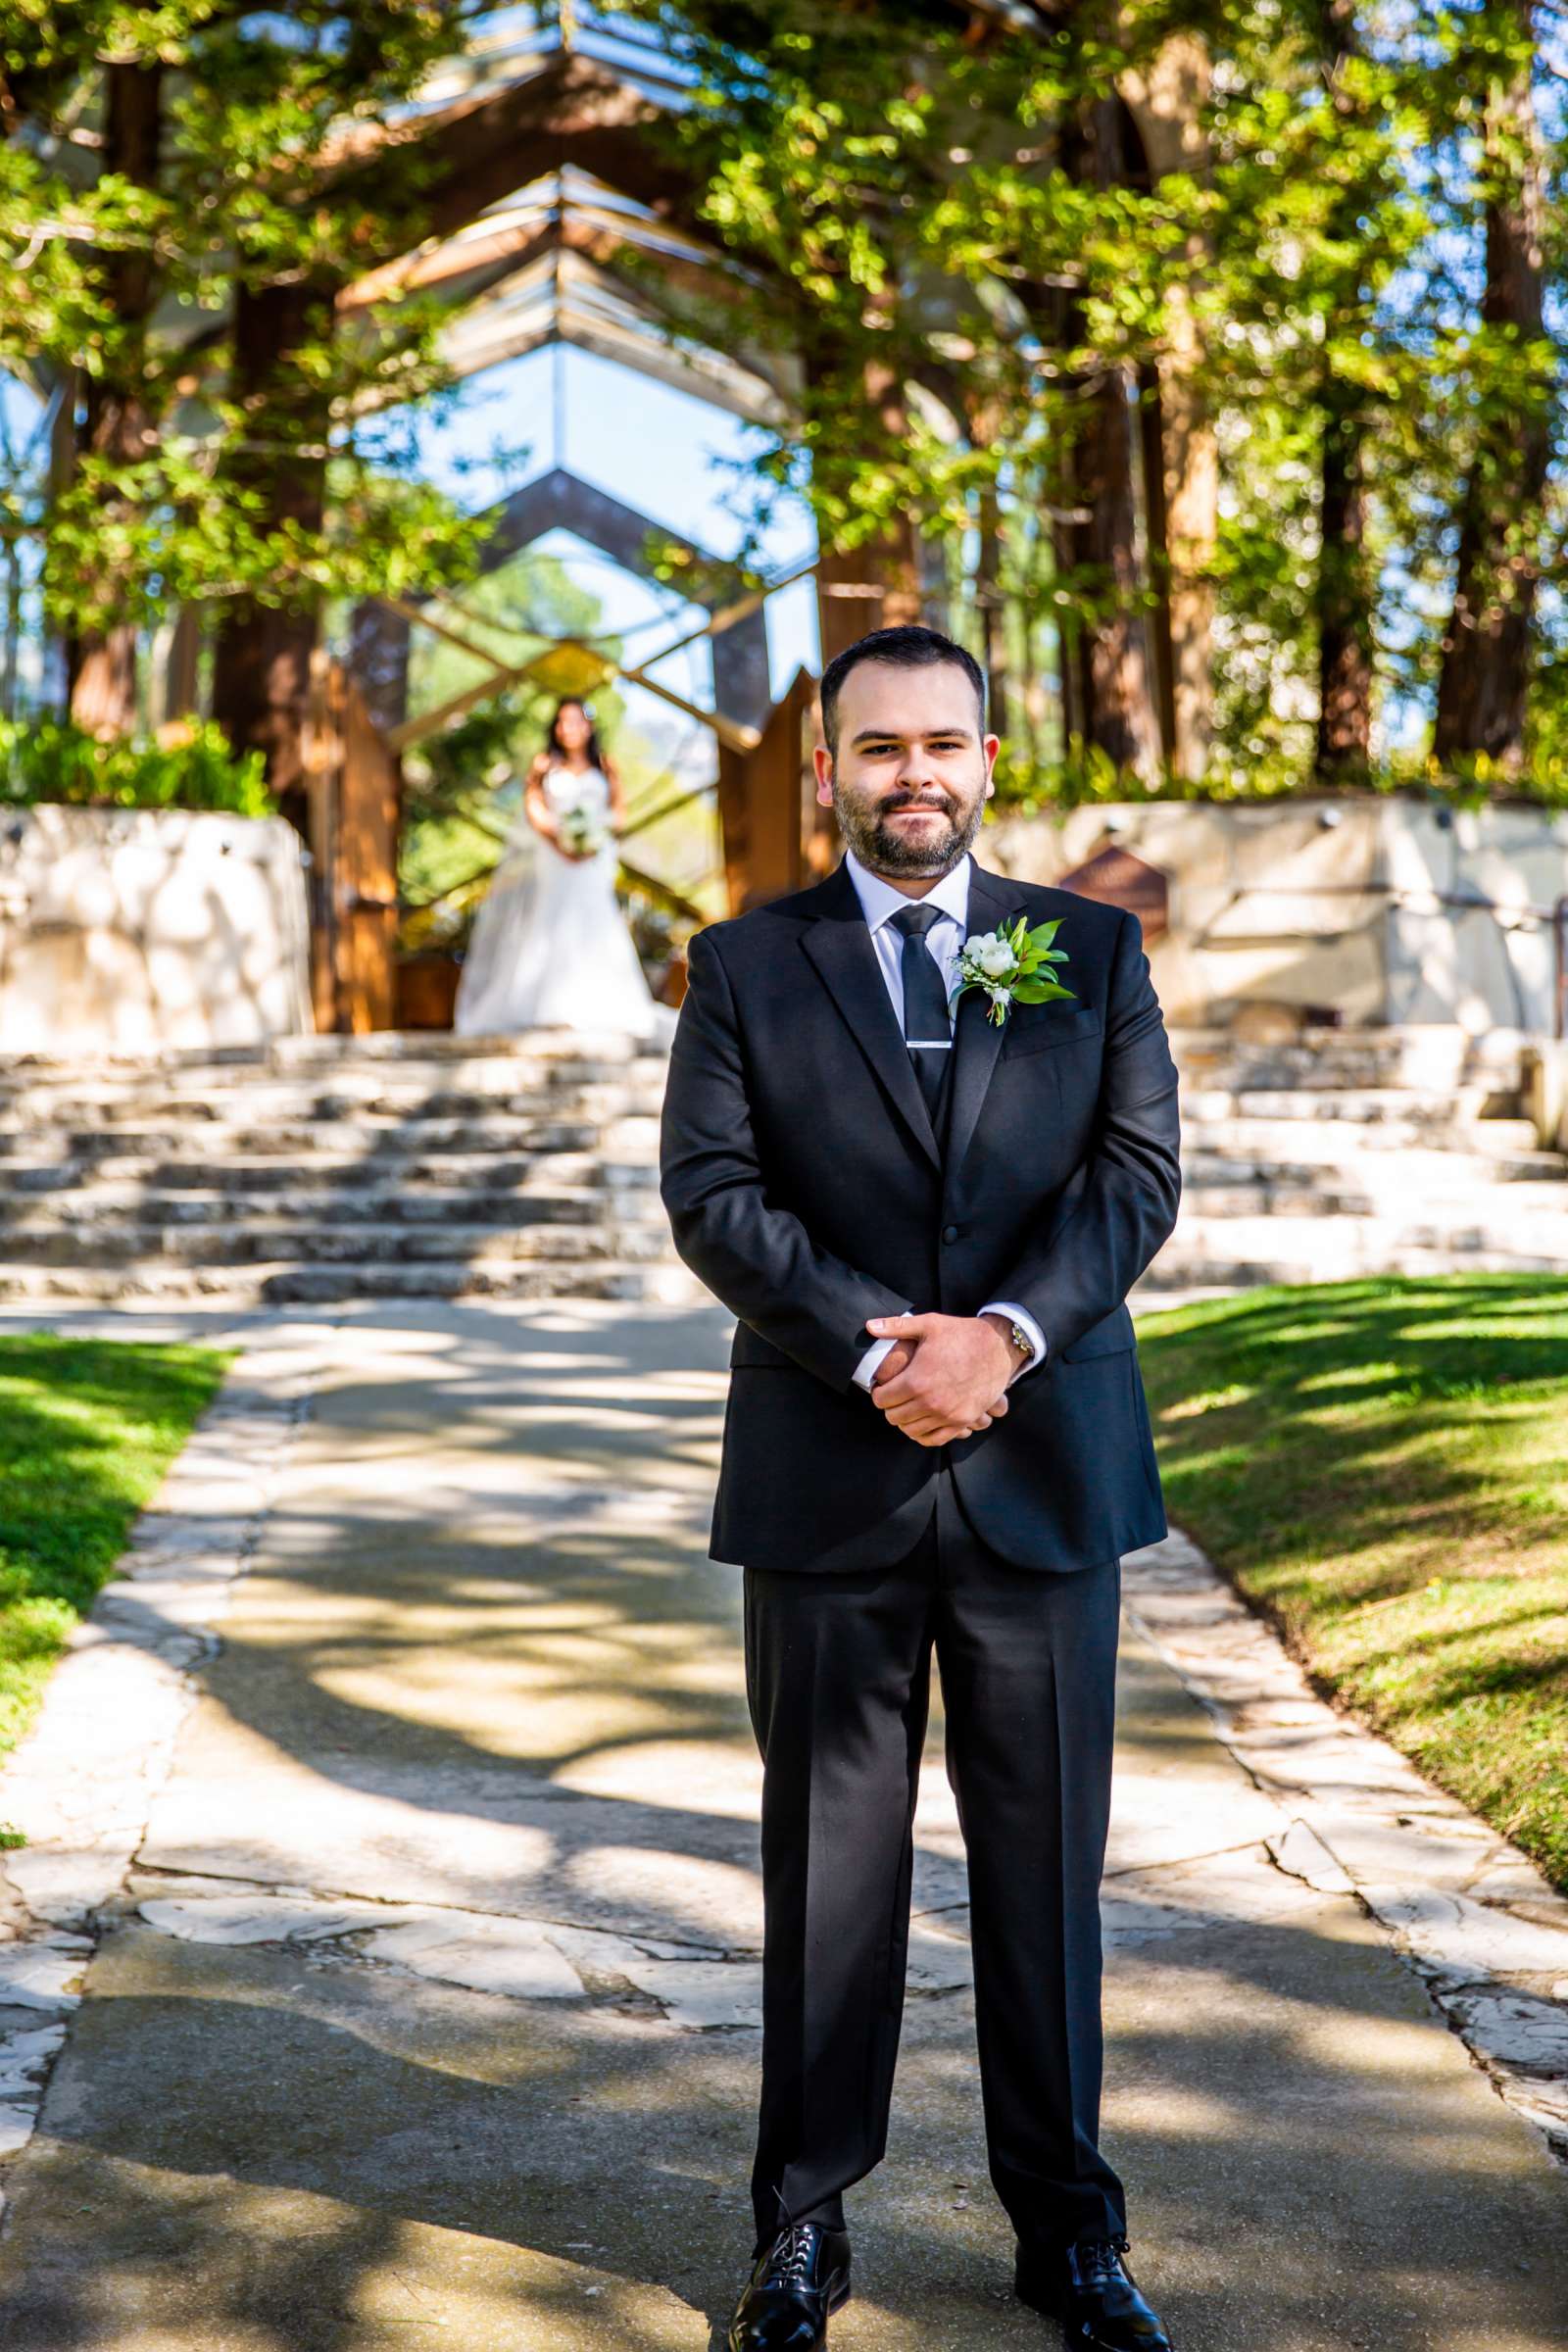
(87, 1428)
(1381, 1466)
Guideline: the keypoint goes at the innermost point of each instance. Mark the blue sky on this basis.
(660, 450)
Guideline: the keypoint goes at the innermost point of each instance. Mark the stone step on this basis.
(444, 1046)
(1228, 1189)
(1273, 1194)
(186, 1216)
(1418, 1055)
(270, 1282)
(1322, 1249)
(415, 1047)
(1348, 1143)
(276, 1114)
(367, 1095)
(1312, 1194)
(1413, 1109)
(528, 1167)
(1494, 1151)
(110, 1208)
(474, 1069)
(371, 1139)
(1216, 1271)
(319, 1183)
(610, 1235)
(567, 1187)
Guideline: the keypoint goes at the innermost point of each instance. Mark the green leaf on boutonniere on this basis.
(1011, 965)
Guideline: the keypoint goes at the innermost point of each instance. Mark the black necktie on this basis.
(927, 1026)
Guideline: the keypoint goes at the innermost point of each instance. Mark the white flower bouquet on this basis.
(582, 832)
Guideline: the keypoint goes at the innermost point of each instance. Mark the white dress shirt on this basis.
(879, 903)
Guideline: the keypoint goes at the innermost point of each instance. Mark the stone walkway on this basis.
(397, 1985)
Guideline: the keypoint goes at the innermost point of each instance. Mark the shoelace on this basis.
(792, 2256)
(1097, 2256)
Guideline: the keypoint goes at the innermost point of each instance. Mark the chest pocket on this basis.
(1034, 1028)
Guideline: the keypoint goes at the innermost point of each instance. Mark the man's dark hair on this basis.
(911, 647)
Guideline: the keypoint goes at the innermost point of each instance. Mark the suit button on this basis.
(949, 1233)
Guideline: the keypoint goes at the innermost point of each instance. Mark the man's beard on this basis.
(889, 849)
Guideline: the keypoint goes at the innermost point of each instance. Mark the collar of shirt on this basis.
(879, 900)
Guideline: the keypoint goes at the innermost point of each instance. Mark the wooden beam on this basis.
(729, 731)
(574, 112)
(431, 723)
(739, 738)
(728, 616)
(423, 617)
(539, 227)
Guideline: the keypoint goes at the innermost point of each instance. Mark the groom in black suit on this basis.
(927, 1224)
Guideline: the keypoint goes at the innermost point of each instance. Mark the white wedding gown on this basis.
(550, 947)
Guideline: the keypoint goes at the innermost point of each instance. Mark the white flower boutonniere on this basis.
(1012, 966)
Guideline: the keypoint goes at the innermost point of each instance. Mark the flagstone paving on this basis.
(400, 1984)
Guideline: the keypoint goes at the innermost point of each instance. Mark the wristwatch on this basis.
(1019, 1338)
(1022, 1341)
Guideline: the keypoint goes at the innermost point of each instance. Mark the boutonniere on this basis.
(1012, 966)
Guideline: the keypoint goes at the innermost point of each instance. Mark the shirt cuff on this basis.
(870, 1362)
(1026, 1324)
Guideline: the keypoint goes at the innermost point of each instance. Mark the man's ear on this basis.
(822, 761)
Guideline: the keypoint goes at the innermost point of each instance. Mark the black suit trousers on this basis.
(838, 1682)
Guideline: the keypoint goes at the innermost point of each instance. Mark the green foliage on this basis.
(188, 765)
(273, 176)
(128, 542)
(948, 223)
(1087, 778)
(919, 206)
(87, 1429)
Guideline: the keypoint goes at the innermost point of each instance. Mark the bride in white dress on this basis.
(550, 947)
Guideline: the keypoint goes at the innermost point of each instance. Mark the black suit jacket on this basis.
(807, 1189)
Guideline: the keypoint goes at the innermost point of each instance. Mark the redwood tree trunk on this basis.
(1483, 688)
(117, 424)
(1344, 592)
(1112, 699)
(988, 590)
(1107, 676)
(1345, 586)
(262, 667)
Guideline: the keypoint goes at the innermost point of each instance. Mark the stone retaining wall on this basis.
(1371, 909)
(138, 927)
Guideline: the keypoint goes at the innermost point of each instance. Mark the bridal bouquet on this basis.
(1011, 965)
(582, 832)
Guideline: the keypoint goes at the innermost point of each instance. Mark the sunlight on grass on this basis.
(1390, 1483)
(87, 1429)
(1212, 1403)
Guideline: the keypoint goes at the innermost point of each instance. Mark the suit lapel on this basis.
(977, 1041)
(839, 945)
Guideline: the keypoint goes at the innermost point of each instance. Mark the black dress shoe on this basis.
(1091, 2290)
(797, 2280)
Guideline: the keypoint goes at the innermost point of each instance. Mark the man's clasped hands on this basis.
(945, 1376)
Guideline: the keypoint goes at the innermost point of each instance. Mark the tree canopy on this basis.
(1197, 360)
